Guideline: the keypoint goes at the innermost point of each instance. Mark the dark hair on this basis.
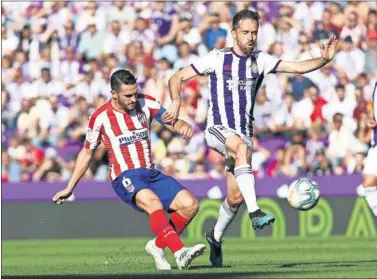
(121, 77)
(241, 15)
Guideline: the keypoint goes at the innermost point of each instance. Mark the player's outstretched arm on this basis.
(175, 82)
(182, 128)
(306, 66)
(81, 166)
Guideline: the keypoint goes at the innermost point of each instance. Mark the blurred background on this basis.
(56, 65)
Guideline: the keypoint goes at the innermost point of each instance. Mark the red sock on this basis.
(178, 222)
(164, 232)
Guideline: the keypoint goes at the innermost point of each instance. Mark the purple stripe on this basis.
(196, 70)
(242, 94)
(228, 95)
(215, 103)
(273, 71)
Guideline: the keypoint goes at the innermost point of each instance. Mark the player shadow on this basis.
(329, 264)
(164, 275)
(208, 266)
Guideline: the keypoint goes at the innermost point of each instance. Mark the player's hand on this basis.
(371, 124)
(328, 50)
(62, 196)
(186, 131)
(172, 113)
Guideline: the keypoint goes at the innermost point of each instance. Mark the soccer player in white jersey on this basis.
(370, 168)
(235, 75)
(123, 126)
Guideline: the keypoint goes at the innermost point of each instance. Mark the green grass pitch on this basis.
(263, 257)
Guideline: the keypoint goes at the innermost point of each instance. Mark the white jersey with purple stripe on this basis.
(233, 84)
(374, 100)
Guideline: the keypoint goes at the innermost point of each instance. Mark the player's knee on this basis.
(370, 181)
(243, 152)
(192, 206)
(235, 200)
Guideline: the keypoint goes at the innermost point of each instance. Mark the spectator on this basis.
(186, 58)
(91, 41)
(141, 34)
(69, 67)
(361, 105)
(51, 167)
(266, 34)
(46, 86)
(320, 165)
(370, 67)
(214, 35)
(299, 84)
(116, 39)
(53, 123)
(262, 115)
(324, 28)
(69, 38)
(284, 119)
(354, 29)
(351, 60)
(318, 102)
(188, 34)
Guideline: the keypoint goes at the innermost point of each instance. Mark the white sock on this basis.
(245, 180)
(371, 197)
(226, 216)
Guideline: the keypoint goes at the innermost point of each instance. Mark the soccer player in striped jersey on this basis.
(370, 168)
(123, 126)
(235, 75)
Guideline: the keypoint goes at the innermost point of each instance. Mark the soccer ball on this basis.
(303, 194)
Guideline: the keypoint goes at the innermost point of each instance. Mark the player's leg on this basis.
(184, 207)
(133, 188)
(370, 179)
(227, 212)
(240, 150)
(173, 197)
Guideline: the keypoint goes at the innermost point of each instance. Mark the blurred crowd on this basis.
(57, 58)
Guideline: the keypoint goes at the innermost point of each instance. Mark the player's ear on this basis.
(234, 34)
(114, 94)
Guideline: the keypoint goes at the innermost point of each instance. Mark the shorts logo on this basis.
(127, 184)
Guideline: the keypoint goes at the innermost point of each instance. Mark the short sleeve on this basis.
(93, 133)
(268, 62)
(206, 64)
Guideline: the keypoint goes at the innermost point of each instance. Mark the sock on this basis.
(226, 216)
(371, 197)
(245, 180)
(178, 222)
(165, 232)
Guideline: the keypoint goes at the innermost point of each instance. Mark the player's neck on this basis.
(117, 107)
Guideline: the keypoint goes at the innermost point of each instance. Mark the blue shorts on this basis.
(130, 182)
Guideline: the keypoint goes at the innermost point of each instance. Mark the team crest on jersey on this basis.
(127, 184)
(254, 70)
(142, 119)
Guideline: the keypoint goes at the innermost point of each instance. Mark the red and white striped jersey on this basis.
(126, 136)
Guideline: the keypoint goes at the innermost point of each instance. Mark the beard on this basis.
(247, 49)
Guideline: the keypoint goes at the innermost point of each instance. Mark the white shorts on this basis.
(217, 135)
(370, 166)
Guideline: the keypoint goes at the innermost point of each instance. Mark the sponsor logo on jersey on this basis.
(130, 137)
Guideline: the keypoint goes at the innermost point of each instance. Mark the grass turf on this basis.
(264, 257)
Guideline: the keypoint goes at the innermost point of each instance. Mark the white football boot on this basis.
(185, 256)
(158, 255)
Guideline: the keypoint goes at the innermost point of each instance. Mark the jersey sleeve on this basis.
(268, 62)
(206, 64)
(155, 109)
(93, 133)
